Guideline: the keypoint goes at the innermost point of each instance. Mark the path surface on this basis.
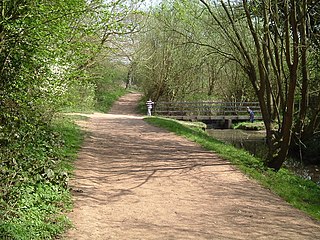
(136, 181)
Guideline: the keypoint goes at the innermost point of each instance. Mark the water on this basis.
(252, 141)
(255, 143)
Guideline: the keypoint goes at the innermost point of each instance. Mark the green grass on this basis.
(257, 125)
(34, 195)
(300, 193)
(34, 204)
(104, 100)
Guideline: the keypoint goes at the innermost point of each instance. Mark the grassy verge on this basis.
(300, 193)
(257, 125)
(105, 99)
(34, 195)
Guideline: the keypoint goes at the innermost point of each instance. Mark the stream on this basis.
(254, 142)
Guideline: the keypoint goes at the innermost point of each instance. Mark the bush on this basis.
(256, 126)
(33, 181)
(109, 84)
(80, 97)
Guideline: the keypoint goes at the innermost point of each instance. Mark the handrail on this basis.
(205, 108)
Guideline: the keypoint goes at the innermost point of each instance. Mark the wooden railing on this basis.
(206, 108)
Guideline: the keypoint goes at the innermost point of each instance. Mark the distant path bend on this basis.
(136, 181)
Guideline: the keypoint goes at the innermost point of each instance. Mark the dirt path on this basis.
(136, 181)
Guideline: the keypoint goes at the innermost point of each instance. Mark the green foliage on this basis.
(33, 181)
(216, 50)
(106, 99)
(182, 57)
(46, 48)
(37, 213)
(250, 126)
(302, 194)
(79, 98)
(198, 135)
(109, 81)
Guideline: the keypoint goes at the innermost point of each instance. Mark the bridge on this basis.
(221, 114)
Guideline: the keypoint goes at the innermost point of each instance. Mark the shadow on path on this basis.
(136, 181)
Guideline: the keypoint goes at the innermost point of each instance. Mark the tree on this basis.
(184, 64)
(196, 46)
(277, 67)
(44, 56)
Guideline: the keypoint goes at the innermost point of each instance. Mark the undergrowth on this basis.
(34, 175)
(105, 99)
(300, 193)
(257, 125)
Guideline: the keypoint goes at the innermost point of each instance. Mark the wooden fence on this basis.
(210, 110)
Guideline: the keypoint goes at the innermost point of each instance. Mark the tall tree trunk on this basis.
(273, 63)
(304, 68)
(292, 62)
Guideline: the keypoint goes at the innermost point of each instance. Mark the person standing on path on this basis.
(149, 104)
(251, 113)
